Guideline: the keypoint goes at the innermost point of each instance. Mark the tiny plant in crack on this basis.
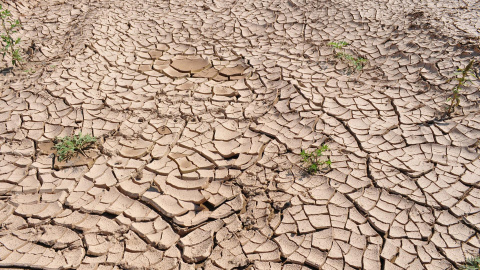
(462, 76)
(472, 263)
(9, 44)
(338, 44)
(314, 161)
(69, 146)
(357, 63)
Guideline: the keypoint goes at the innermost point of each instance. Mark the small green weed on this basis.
(472, 263)
(338, 44)
(69, 146)
(356, 62)
(313, 161)
(462, 76)
(9, 27)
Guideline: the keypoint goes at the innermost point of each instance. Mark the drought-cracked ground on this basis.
(202, 108)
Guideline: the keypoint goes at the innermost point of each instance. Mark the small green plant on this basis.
(313, 161)
(356, 62)
(462, 76)
(69, 146)
(10, 27)
(338, 44)
(472, 263)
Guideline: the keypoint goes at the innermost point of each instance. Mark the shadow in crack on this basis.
(5, 71)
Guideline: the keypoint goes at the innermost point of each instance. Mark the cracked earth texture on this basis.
(202, 108)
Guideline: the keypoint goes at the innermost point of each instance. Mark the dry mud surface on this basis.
(202, 108)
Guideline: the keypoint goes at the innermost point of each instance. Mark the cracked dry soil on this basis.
(202, 109)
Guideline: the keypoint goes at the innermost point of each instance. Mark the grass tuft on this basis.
(69, 146)
(357, 63)
(10, 26)
(313, 161)
(472, 263)
(462, 76)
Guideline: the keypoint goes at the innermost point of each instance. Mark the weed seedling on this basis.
(356, 62)
(69, 146)
(462, 76)
(338, 44)
(313, 161)
(10, 27)
(472, 263)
